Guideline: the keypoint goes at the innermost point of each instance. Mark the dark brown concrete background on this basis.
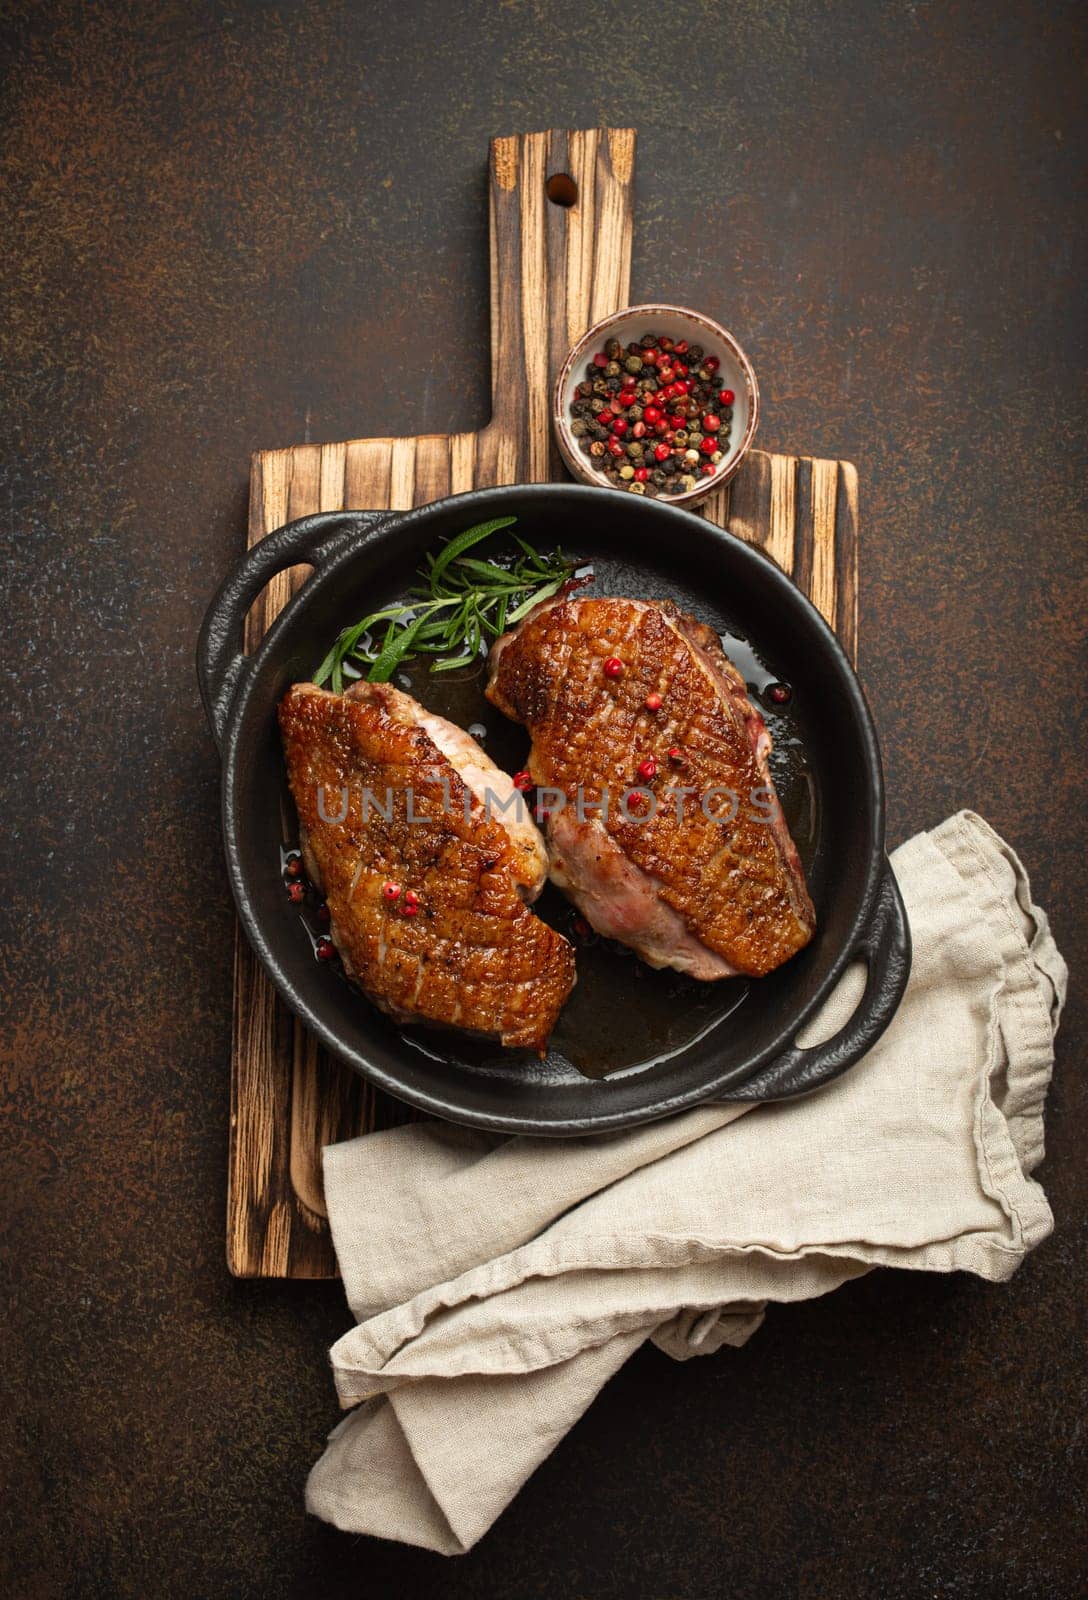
(235, 226)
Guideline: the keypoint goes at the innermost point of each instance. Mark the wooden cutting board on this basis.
(556, 266)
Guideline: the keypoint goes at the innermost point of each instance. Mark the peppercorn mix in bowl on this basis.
(656, 400)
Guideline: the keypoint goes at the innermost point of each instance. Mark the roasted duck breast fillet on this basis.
(426, 878)
(665, 829)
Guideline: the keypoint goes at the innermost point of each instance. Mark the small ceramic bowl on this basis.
(673, 322)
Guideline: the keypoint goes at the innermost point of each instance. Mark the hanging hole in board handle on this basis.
(561, 189)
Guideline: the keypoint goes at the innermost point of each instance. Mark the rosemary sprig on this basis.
(459, 604)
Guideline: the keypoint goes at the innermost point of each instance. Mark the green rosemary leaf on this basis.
(545, 592)
(393, 653)
(465, 541)
(324, 671)
(451, 663)
(506, 577)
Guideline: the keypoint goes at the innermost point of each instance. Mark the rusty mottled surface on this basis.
(233, 226)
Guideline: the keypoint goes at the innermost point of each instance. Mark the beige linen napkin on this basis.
(499, 1282)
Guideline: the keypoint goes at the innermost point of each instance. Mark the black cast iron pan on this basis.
(632, 1044)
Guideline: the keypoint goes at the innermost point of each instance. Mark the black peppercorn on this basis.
(613, 349)
(578, 427)
(613, 369)
(648, 341)
(695, 354)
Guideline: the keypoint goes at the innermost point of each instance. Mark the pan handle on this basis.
(220, 657)
(886, 948)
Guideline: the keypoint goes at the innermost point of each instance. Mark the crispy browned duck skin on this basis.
(474, 956)
(710, 897)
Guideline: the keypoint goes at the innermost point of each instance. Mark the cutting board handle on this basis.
(220, 653)
(561, 206)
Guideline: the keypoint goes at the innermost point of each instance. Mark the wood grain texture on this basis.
(554, 270)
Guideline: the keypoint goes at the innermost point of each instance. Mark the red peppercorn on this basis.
(628, 397)
(324, 949)
(581, 927)
(296, 893)
(711, 422)
(726, 397)
(780, 693)
(661, 427)
(638, 431)
(653, 702)
(408, 910)
(709, 445)
(613, 667)
(614, 448)
(681, 347)
(682, 369)
(676, 754)
(614, 405)
(641, 474)
(649, 357)
(652, 415)
(523, 780)
(665, 344)
(666, 374)
(619, 426)
(293, 866)
(708, 469)
(324, 915)
(712, 363)
(634, 800)
(411, 900)
(661, 452)
(600, 359)
(391, 891)
(678, 420)
(647, 769)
